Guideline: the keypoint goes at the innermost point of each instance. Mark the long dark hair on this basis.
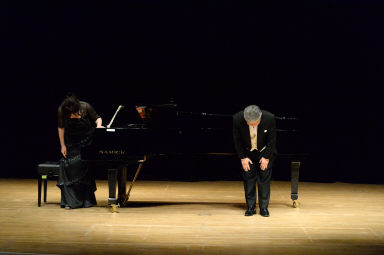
(70, 104)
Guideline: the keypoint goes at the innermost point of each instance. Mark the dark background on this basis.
(319, 60)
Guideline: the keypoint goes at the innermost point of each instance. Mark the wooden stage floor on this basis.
(195, 218)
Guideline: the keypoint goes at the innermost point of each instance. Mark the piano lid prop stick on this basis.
(141, 162)
(113, 118)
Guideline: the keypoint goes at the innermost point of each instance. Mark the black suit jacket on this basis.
(266, 135)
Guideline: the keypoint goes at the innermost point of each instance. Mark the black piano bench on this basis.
(46, 170)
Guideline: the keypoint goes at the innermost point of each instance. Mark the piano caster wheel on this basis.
(115, 208)
(296, 204)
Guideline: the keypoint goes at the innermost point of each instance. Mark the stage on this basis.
(195, 218)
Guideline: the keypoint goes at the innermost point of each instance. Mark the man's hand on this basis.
(100, 126)
(245, 162)
(263, 163)
(64, 151)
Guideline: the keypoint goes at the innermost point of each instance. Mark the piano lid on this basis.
(169, 115)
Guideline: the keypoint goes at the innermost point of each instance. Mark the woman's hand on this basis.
(99, 123)
(245, 162)
(64, 151)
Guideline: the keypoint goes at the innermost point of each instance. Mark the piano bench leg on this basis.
(42, 178)
(45, 189)
(39, 191)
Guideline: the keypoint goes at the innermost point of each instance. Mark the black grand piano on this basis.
(140, 133)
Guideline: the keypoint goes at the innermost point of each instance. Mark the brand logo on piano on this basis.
(111, 152)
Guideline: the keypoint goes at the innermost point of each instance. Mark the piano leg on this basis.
(121, 184)
(295, 166)
(112, 178)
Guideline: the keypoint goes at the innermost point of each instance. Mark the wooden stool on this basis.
(46, 170)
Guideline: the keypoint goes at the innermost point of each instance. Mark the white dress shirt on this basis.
(253, 133)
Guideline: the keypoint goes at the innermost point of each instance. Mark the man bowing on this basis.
(254, 134)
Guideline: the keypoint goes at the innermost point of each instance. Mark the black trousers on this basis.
(263, 180)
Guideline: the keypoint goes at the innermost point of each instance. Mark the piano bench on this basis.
(46, 170)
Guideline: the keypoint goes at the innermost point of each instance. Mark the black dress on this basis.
(77, 184)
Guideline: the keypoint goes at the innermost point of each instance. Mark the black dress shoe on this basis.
(264, 212)
(250, 212)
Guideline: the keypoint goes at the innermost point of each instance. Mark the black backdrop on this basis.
(319, 60)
